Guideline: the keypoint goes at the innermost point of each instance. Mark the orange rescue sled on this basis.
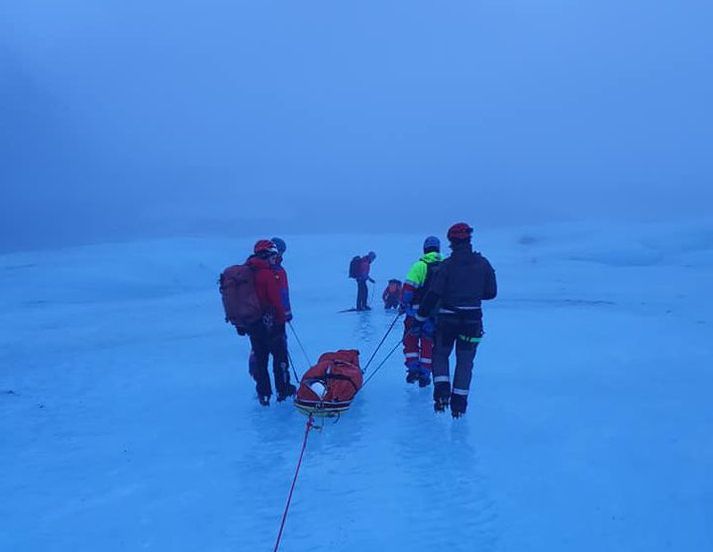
(328, 388)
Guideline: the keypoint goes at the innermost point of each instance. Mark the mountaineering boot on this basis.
(424, 378)
(264, 400)
(413, 368)
(441, 395)
(440, 404)
(288, 392)
(459, 403)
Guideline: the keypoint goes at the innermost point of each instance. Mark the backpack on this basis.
(240, 301)
(431, 269)
(354, 267)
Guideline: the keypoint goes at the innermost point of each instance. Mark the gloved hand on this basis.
(288, 317)
(428, 328)
(402, 308)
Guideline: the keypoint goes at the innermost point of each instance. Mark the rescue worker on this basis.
(463, 280)
(392, 294)
(267, 336)
(418, 344)
(281, 247)
(362, 277)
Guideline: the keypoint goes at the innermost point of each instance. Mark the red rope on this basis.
(310, 425)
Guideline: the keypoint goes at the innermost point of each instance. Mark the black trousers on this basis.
(265, 342)
(362, 292)
(464, 334)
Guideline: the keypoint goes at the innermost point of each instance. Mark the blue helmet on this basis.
(431, 242)
(280, 245)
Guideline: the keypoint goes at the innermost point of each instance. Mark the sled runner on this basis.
(328, 388)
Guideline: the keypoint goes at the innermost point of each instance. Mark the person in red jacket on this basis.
(362, 277)
(392, 294)
(267, 336)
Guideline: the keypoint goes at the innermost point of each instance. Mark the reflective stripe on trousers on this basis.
(463, 335)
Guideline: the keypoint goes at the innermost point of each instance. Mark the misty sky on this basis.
(123, 118)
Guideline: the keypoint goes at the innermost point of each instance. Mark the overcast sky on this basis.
(123, 118)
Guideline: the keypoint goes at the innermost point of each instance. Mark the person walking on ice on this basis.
(418, 338)
(463, 280)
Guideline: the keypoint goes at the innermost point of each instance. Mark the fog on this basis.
(124, 119)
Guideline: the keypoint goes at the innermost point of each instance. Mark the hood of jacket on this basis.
(432, 257)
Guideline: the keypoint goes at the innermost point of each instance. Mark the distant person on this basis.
(463, 280)
(254, 298)
(392, 294)
(418, 338)
(359, 270)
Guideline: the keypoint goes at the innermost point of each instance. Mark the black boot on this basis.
(264, 400)
(289, 391)
(459, 403)
(424, 378)
(441, 395)
(413, 373)
(440, 405)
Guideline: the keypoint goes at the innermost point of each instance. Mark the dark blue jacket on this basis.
(462, 281)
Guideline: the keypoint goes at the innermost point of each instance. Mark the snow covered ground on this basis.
(128, 420)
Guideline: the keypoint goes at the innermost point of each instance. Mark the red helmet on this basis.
(460, 231)
(265, 245)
